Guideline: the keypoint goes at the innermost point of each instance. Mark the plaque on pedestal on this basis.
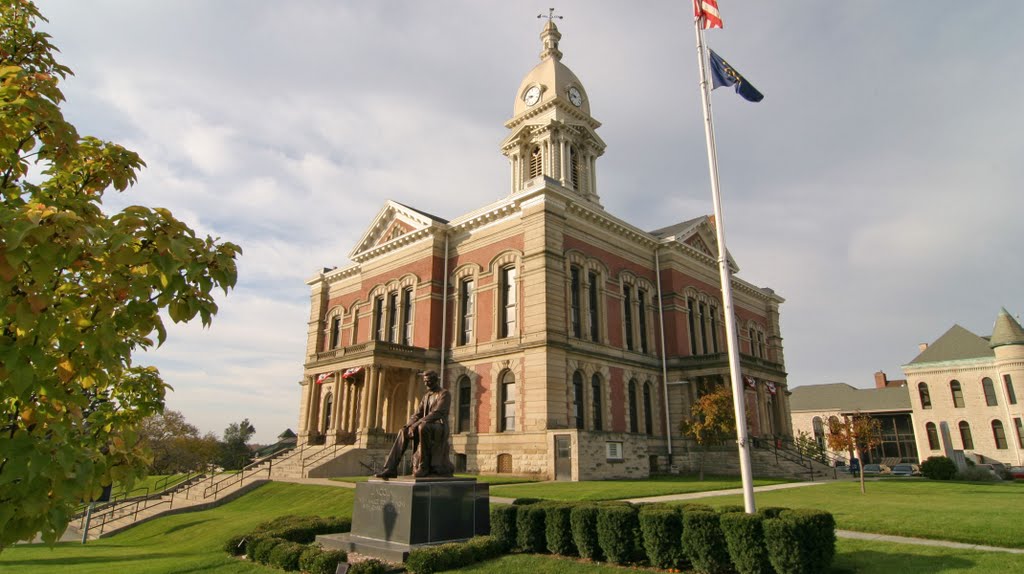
(392, 517)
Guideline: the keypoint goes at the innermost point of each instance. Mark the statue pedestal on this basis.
(392, 517)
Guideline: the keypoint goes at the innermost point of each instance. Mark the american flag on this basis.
(709, 10)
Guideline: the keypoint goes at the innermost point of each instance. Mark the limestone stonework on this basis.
(573, 343)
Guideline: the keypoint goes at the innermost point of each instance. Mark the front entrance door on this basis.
(563, 457)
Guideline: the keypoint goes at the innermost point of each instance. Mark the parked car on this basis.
(906, 469)
(1017, 472)
(876, 469)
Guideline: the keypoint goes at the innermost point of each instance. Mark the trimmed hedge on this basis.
(456, 555)
(558, 529)
(526, 501)
(800, 541)
(259, 549)
(326, 562)
(618, 534)
(938, 468)
(286, 556)
(744, 538)
(731, 508)
(503, 524)
(703, 542)
(662, 530)
(771, 511)
(283, 543)
(530, 530)
(583, 520)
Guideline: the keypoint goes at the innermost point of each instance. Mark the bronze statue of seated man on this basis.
(428, 432)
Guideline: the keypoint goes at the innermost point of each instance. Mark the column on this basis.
(378, 403)
(370, 406)
(592, 179)
(563, 168)
(364, 401)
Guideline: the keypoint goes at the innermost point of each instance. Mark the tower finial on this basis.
(550, 35)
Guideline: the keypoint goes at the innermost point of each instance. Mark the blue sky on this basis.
(877, 187)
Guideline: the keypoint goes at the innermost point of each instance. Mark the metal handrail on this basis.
(115, 509)
(240, 476)
(785, 448)
(317, 457)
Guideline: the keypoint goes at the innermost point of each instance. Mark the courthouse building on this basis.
(573, 343)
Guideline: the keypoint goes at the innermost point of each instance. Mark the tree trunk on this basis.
(861, 459)
(703, 455)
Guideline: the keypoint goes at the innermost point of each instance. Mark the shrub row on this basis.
(284, 543)
(455, 555)
(695, 536)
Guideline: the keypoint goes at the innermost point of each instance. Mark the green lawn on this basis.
(189, 542)
(852, 556)
(979, 513)
(617, 489)
(491, 479)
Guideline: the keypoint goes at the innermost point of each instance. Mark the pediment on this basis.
(392, 224)
(699, 234)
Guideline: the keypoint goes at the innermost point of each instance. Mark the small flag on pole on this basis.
(708, 9)
(722, 74)
(322, 378)
(349, 373)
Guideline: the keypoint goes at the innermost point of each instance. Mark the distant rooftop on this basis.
(846, 398)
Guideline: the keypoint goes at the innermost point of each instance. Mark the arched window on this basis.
(592, 308)
(634, 425)
(508, 402)
(926, 398)
(509, 297)
(965, 435)
(335, 331)
(933, 436)
(595, 400)
(535, 162)
(328, 411)
(958, 394)
(990, 392)
(999, 434)
(819, 432)
(577, 399)
(465, 402)
(648, 418)
(575, 318)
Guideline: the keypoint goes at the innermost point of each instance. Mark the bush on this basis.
(484, 548)
(308, 556)
(371, 566)
(731, 508)
(326, 562)
(771, 511)
(558, 530)
(456, 555)
(800, 541)
(259, 549)
(503, 524)
(975, 474)
(691, 506)
(744, 538)
(286, 556)
(618, 534)
(583, 520)
(662, 529)
(429, 560)
(526, 501)
(938, 468)
(703, 542)
(235, 545)
(530, 535)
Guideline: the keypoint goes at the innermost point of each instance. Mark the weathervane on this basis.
(550, 16)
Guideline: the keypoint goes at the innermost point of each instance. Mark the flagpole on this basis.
(742, 441)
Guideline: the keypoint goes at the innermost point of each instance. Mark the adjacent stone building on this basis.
(971, 384)
(573, 342)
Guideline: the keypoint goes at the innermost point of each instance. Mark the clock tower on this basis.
(552, 134)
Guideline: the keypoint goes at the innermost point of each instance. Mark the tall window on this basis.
(819, 432)
(641, 300)
(933, 436)
(990, 392)
(328, 411)
(627, 304)
(713, 321)
(508, 402)
(378, 318)
(690, 310)
(926, 399)
(595, 399)
(999, 434)
(595, 327)
(335, 331)
(574, 168)
(407, 314)
(634, 412)
(577, 399)
(508, 301)
(574, 302)
(648, 411)
(1019, 425)
(958, 394)
(393, 317)
(965, 435)
(462, 422)
(1011, 396)
(466, 304)
(701, 317)
(535, 162)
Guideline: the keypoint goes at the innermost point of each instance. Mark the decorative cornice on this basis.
(395, 244)
(974, 364)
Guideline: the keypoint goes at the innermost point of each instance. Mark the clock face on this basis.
(575, 97)
(532, 96)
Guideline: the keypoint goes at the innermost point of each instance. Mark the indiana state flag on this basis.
(722, 74)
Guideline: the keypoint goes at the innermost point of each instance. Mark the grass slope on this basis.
(491, 479)
(189, 542)
(617, 489)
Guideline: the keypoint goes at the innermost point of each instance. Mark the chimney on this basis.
(921, 347)
(880, 380)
